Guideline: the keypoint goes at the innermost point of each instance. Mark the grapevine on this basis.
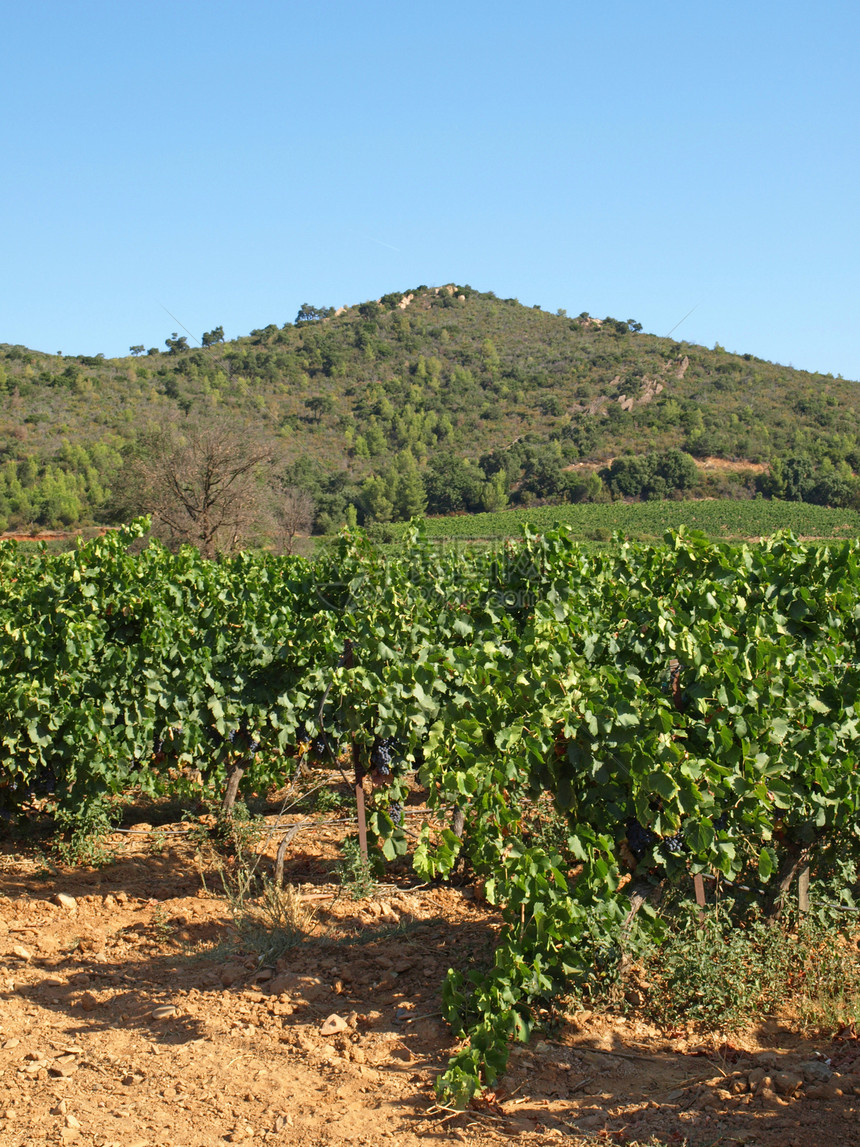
(689, 708)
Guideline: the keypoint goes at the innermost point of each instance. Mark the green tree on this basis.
(310, 314)
(677, 469)
(410, 500)
(490, 358)
(375, 439)
(320, 404)
(213, 336)
(377, 497)
(452, 483)
(494, 493)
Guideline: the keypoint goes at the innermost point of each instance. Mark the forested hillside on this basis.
(440, 399)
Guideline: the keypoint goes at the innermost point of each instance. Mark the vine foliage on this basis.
(688, 708)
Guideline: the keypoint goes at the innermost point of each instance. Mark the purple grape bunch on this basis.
(382, 755)
(640, 839)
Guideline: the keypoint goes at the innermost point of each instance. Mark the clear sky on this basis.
(229, 161)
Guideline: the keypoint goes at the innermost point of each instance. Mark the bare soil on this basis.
(340, 1040)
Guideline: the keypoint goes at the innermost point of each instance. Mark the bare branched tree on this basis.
(202, 484)
(293, 513)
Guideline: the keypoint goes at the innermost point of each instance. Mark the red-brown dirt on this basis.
(242, 1052)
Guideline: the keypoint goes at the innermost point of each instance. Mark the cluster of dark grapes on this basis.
(160, 748)
(640, 839)
(320, 746)
(46, 780)
(241, 736)
(382, 755)
(42, 783)
(384, 761)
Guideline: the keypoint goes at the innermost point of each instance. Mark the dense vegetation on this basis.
(440, 400)
(685, 708)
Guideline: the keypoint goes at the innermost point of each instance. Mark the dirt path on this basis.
(244, 1053)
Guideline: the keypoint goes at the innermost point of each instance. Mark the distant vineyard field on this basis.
(647, 521)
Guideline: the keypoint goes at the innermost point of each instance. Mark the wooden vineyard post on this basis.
(359, 801)
(347, 661)
(699, 887)
(803, 891)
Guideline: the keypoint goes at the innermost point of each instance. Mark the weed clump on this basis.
(721, 974)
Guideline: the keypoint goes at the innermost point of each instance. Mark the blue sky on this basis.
(231, 161)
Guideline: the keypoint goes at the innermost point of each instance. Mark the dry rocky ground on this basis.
(132, 1013)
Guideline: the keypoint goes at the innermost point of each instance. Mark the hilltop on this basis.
(485, 400)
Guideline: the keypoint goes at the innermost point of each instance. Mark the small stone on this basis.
(60, 1109)
(823, 1091)
(303, 987)
(72, 1122)
(164, 1012)
(766, 1059)
(65, 901)
(787, 1082)
(88, 1002)
(756, 1078)
(10, 1043)
(333, 1025)
(239, 1134)
(21, 952)
(64, 1068)
(816, 1071)
(231, 975)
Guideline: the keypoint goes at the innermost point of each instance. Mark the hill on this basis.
(485, 401)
